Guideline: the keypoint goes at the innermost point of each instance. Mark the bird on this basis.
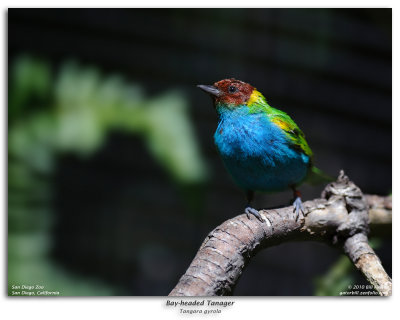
(261, 147)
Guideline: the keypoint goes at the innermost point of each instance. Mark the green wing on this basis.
(257, 103)
(315, 176)
(295, 136)
(292, 131)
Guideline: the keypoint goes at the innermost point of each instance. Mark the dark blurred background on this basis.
(114, 180)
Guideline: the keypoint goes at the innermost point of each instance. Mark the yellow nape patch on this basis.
(254, 97)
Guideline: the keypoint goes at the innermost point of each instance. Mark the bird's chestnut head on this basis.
(230, 92)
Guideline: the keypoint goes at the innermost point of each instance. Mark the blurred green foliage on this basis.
(337, 279)
(85, 107)
(73, 111)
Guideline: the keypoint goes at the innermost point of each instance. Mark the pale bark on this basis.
(340, 217)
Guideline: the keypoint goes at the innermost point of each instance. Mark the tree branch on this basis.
(340, 217)
(380, 209)
(365, 259)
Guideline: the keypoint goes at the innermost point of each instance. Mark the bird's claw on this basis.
(298, 206)
(254, 212)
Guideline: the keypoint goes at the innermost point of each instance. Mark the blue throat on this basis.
(257, 152)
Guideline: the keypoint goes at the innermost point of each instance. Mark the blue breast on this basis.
(256, 152)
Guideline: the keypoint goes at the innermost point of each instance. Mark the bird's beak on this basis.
(210, 90)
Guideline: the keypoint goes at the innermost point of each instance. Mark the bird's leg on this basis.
(250, 210)
(297, 204)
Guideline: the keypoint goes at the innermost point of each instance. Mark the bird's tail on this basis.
(317, 176)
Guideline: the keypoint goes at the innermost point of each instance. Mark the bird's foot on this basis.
(254, 212)
(298, 206)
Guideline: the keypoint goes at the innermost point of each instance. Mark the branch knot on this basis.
(345, 196)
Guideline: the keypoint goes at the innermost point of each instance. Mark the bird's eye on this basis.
(232, 89)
